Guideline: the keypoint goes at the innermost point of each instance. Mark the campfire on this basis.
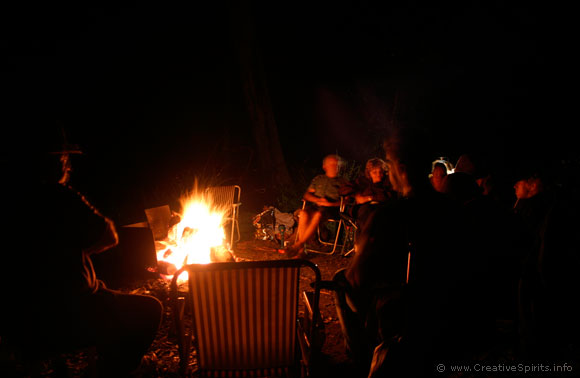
(196, 236)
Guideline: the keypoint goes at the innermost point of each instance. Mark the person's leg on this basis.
(310, 228)
(307, 222)
(327, 213)
(125, 325)
(303, 220)
(352, 324)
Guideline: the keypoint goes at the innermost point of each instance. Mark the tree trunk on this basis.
(264, 128)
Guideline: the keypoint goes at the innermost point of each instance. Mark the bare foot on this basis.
(294, 250)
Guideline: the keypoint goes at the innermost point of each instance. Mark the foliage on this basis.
(351, 169)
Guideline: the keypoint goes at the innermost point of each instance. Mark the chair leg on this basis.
(238, 230)
(235, 229)
(232, 233)
(348, 252)
(183, 339)
(338, 229)
(349, 230)
(334, 244)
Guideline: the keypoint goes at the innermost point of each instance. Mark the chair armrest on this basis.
(325, 284)
(347, 218)
(333, 285)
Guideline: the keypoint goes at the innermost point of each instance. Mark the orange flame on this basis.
(192, 240)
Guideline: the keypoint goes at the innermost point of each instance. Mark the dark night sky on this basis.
(152, 92)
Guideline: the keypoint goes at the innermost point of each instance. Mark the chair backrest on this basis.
(224, 197)
(245, 315)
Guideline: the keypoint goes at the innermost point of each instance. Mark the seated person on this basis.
(438, 175)
(322, 202)
(371, 189)
(61, 305)
(546, 221)
(399, 296)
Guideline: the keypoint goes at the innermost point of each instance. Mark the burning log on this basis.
(221, 254)
(188, 232)
(166, 268)
(175, 219)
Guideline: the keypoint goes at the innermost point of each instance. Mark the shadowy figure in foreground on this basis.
(57, 304)
(548, 288)
(412, 295)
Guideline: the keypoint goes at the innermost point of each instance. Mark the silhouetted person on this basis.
(493, 246)
(56, 302)
(461, 185)
(411, 289)
(549, 283)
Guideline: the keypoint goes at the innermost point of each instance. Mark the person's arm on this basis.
(310, 197)
(109, 239)
(359, 198)
(360, 189)
(327, 203)
(320, 201)
(99, 232)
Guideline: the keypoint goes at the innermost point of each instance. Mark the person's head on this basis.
(407, 155)
(53, 155)
(330, 165)
(528, 187)
(465, 164)
(375, 170)
(531, 175)
(437, 176)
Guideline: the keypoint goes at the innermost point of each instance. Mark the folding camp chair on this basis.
(339, 227)
(227, 198)
(244, 318)
(351, 227)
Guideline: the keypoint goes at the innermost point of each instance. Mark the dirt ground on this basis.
(162, 359)
(333, 348)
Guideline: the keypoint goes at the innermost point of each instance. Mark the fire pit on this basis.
(194, 236)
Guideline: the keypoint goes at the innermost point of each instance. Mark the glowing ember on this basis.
(197, 238)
